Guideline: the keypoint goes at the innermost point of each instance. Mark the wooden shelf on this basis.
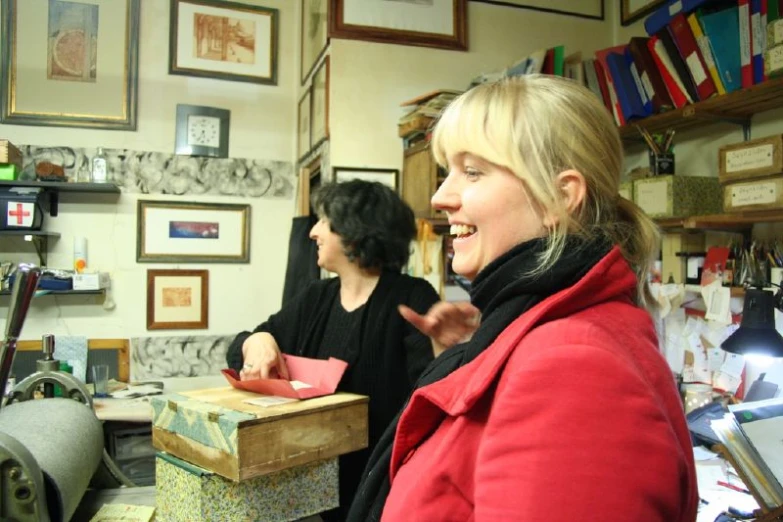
(737, 107)
(57, 186)
(59, 292)
(735, 221)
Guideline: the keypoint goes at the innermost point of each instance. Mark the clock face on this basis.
(204, 131)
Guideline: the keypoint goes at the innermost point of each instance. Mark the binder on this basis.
(680, 69)
(600, 56)
(706, 51)
(676, 89)
(592, 78)
(722, 30)
(661, 17)
(758, 32)
(601, 76)
(645, 97)
(650, 75)
(691, 56)
(743, 16)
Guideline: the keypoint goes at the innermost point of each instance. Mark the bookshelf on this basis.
(737, 107)
(730, 222)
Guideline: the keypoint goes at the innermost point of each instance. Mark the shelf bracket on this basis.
(41, 244)
(743, 122)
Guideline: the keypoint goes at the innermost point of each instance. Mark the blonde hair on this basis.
(538, 126)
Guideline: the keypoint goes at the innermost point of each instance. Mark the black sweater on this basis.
(385, 353)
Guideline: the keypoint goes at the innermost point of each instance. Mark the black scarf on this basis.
(502, 291)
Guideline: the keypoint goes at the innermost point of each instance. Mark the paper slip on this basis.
(123, 513)
(269, 401)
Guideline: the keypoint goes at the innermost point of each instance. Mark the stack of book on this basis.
(422, 111)
(750, 433)
(695, 49)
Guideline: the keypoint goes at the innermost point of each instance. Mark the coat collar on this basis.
(608, 279)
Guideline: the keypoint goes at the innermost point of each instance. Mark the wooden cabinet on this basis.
(421, 177)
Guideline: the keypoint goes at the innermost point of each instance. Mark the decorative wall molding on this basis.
(162, 173)
(182, 356)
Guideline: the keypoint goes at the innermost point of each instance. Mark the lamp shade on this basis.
(757, 333)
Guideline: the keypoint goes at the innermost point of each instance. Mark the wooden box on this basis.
(759, 194)
(676, 196)
(188, 493)
(10, 155)
(217, 430)
(421, 177)
(751, 159)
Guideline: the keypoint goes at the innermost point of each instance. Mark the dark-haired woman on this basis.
(363, 235)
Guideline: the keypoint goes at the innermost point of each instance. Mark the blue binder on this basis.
(663, 15)
(722, 29)
(627, 95)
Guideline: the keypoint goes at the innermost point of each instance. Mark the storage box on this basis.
(677, 196)
(21, 208)
(8, 172)
(753, 195)
(216, 430)
(751, 159)
(773, 61)
(91, 281)
(188, 493)
(626, 190)
(10, 155)
(775, 33)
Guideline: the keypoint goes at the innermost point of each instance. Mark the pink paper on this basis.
(322, 376)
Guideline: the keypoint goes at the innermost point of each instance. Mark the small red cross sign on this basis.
(20, 214)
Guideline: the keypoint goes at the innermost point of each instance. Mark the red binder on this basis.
(691, 55)
(676, 93)
(650, 75)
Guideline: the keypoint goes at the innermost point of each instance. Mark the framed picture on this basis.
(426, 23)
(314, 38)
(224, 40)
(388, 177)
(593, 9)
(633, 10)
(303, 127)
(320, 113)
(65, 66)
(177, 299)
(179, 232)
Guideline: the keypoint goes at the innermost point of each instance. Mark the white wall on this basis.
(370, 80)
(263, 125)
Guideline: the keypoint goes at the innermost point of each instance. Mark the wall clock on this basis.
(202, 131)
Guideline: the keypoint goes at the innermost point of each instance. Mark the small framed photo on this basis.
(177, 299)
(303, 127)
(313, 31)
(223, 40)
(184, 232)
(320, 112)
(202, 131)
(388, 177)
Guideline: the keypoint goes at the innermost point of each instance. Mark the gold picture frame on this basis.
(590, 9)
(424, 23)
(64, 66)
(304, 114)
(177, 299)
(314, 33)
(633, 10)
(319, 118)
(223, 40)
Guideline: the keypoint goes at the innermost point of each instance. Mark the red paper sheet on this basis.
(321, 376)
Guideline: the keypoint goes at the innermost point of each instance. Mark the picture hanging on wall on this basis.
(183, 232)
(223, 40)
(76, 69)
(314, 35)
(304, 113)
(388, 177)
(633, 10)
(425, 23)
(593, 9)
(320, 113)
(177, 299)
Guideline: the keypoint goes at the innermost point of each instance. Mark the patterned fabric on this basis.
(188, 493)
(191, 419)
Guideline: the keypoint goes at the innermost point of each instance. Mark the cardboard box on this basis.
(775, 33)
(626, 190)
(773, 61)
(678, 196)
(8, 172)
(10, 155)
(91, 281)
(217, 430)
(188, 493)
(753, 195)
(751, 159)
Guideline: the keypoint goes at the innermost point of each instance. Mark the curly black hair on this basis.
(375, 224)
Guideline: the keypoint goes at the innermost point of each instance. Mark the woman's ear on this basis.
(573, 188)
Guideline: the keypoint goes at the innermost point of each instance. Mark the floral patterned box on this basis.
(188, 493)
(219, 430)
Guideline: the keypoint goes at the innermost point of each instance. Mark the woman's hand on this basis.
(445, 323)
(262, 358)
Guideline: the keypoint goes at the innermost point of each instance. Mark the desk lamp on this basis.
(757, 333)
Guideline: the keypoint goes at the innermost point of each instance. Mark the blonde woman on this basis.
(559, 408)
